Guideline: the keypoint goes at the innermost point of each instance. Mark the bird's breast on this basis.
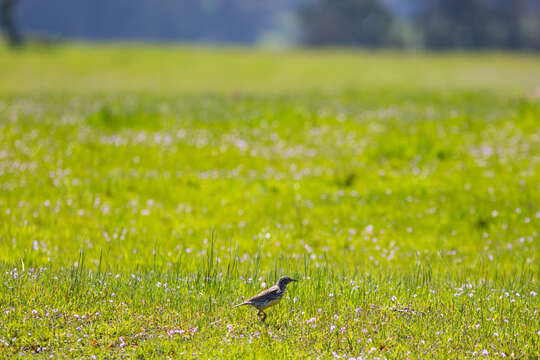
(269, 303)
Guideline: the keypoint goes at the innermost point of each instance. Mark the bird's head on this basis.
(284, 281)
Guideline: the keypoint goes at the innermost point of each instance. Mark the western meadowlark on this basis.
(268, 297)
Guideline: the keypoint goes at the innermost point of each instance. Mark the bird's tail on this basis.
(244, 303)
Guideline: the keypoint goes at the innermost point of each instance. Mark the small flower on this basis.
(485, 352)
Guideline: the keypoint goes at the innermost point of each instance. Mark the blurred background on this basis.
(414, 24)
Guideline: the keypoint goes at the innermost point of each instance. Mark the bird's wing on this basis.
(268, 293)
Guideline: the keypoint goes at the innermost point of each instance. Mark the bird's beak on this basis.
(294, 280)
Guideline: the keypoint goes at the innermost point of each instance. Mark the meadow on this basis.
(145, 190)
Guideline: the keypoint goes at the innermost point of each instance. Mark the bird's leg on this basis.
(262, 315)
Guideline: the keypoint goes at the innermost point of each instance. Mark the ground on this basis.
(145, 190)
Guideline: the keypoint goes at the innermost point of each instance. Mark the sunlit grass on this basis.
(131, 222)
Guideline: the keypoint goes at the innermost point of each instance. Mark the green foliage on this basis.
(132, 221)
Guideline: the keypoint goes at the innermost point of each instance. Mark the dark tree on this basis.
(472, 24)
(346, 22)
(7, 23)
(513, 16)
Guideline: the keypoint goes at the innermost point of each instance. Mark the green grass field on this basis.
(147, 189)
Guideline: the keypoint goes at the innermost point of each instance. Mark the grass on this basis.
(145, 190)
(115, 68)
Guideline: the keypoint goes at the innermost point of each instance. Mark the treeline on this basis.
(431, 24)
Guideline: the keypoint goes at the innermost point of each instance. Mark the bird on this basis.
(268, 297)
